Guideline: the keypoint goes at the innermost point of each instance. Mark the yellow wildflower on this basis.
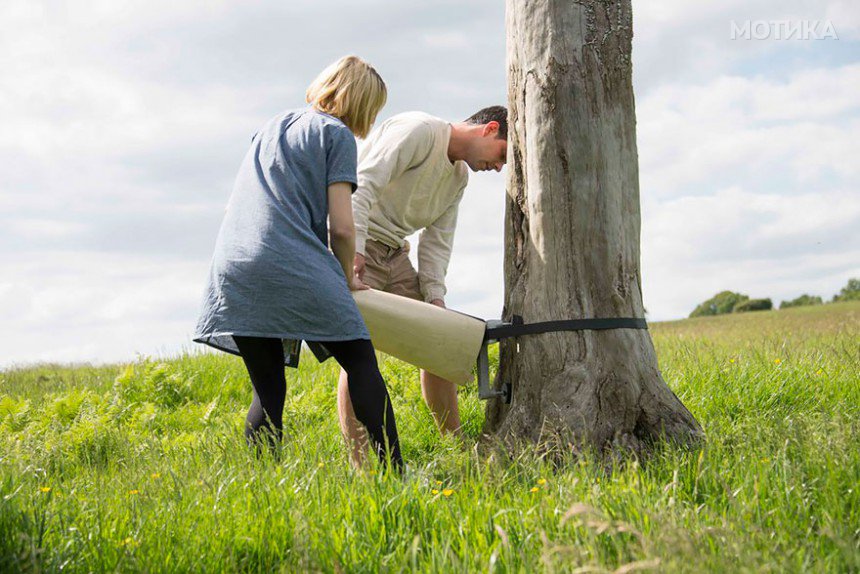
(45, 489)
(129, 541)
(320, 465)
(541, 481)
(155, 475)
(731, 360)
(777, 361)
(438, 483)
(534, 489)
(447, 492)
(134, 491)
(434, 491)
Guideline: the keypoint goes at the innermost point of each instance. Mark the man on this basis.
(411, 176)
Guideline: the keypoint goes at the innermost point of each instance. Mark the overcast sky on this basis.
(122, 125)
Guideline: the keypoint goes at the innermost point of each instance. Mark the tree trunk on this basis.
(572, 234)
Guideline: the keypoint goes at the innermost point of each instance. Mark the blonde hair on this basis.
(351, 90)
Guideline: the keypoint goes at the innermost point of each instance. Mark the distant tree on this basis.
(753, 305)
(851, 291)
(720, 304)
(802, 301)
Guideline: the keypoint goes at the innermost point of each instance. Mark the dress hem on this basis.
(210, 339)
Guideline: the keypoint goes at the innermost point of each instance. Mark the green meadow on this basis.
(143, 468)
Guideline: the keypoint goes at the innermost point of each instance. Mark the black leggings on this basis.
(264, 359)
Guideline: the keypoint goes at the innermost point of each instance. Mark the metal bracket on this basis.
(483, 368)
(292, 352)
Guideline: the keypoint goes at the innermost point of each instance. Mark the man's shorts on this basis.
(389, 269)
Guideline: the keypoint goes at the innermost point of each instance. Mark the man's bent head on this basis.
(486, 139)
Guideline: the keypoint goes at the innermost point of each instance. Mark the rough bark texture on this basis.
(572, 233)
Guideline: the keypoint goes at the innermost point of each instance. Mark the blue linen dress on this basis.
(272, 274)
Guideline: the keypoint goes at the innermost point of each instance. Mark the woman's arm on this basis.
(341, 230)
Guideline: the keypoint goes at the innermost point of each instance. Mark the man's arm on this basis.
(434, 252)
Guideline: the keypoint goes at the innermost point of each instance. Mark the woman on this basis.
(273, 279)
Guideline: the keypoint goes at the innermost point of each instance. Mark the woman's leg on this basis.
(264, 359)
(369, 396)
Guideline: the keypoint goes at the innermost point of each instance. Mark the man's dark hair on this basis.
(492, 114)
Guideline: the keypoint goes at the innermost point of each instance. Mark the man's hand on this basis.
(358, 285)
(358, 266)
(438, 303)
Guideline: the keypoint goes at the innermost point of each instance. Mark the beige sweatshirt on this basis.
(405, 183)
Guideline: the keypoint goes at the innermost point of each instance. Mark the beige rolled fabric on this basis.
(443, 342)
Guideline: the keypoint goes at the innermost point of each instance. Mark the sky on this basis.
(124, 122)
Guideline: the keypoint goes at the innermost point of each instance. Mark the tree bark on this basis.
(572, 234)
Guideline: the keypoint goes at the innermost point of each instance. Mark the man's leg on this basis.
(439, 394)
(369, 397)
(441, 397)
(375, 275)
(353, 431)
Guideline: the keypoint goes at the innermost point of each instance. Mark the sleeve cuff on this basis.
(434, 292)
(344, 178)
(360, 240)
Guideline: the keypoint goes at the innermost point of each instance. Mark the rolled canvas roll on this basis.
(443, 342)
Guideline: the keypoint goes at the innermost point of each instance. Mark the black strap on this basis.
(517, 327)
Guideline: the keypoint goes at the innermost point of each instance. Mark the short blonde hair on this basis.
(351, 90)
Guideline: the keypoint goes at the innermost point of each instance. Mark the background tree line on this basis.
(731, 302)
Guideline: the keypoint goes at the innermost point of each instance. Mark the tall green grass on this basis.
(142, 467)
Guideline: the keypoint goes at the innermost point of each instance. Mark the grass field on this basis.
(142, 467)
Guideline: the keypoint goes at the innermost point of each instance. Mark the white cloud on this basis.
(446, 40)
(683, 42)
(845, 16)
(750, 184)
(96, 307)
(766, 245)
(734, 129)
(814, 94)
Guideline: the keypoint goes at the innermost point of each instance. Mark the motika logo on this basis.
(783, 30)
